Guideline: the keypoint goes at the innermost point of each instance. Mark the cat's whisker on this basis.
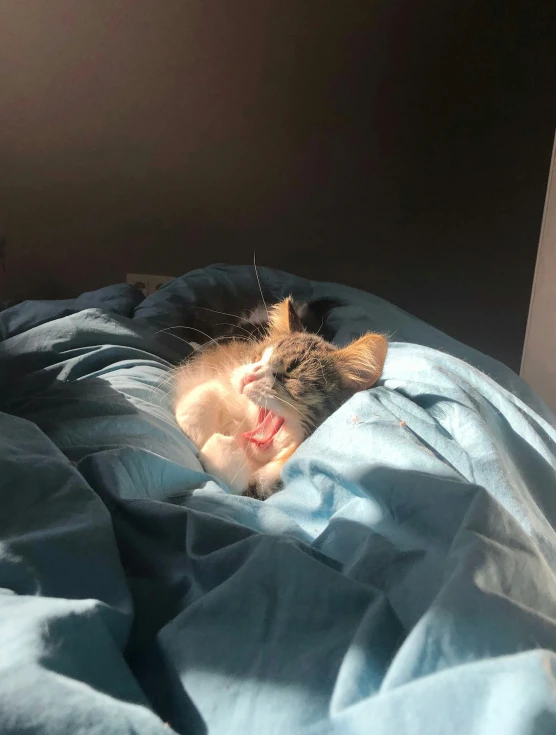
(170, 333)
(246, 457)
(235, 326)
(222, 313)
(163, 382)
(324, 377)
(287, 403)
(241, 468)
(225, 336)
(160, 382)
(184, 326)
(169, 378)
(200, 331)
(260, 287)
(240, 426)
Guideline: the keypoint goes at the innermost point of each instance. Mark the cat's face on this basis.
(302, 378)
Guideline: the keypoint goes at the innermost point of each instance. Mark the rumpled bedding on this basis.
(402, 582)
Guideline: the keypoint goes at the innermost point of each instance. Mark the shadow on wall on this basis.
(374, 145)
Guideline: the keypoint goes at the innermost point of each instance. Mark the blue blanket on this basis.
(403, 582)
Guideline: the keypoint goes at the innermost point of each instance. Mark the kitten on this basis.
(248, 405)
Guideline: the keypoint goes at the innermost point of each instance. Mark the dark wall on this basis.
(402, 147)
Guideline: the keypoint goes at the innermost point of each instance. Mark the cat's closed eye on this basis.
(294, 364)
(286, 372)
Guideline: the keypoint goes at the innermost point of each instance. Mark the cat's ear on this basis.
(284, 318)
(360, 364)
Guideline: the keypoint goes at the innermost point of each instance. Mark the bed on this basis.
(402, 582)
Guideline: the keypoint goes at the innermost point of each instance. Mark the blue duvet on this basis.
(403, 582)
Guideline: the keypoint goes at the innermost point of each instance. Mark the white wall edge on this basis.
(540, 345)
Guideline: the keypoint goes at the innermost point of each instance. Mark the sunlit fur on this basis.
(299, 376)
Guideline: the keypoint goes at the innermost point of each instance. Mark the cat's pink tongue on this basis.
(265, 431)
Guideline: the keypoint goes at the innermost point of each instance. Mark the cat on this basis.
(248, 404)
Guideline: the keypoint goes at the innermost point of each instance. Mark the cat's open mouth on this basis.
(268, 425)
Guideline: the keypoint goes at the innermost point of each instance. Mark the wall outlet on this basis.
(146, 282)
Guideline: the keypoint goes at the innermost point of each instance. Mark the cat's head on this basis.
(302, 378)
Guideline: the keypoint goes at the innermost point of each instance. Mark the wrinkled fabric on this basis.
(402, 582)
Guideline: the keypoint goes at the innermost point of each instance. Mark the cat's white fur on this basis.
(218, 405)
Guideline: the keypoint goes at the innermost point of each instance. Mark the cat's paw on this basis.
(261, 489)
(251, 491)
(222, 457)
(265, 482)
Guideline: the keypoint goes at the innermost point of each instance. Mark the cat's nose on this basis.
(251, 377)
